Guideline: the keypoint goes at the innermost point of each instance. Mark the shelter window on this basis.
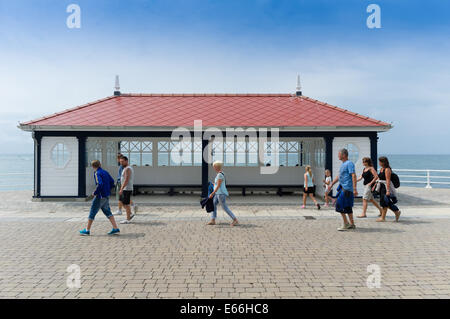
(353, 152)
(139, 153)
(94, 151)
(60, 155)
(198, 153)
(288, 153)
(179, 153)
(252, 147)
(236, 153)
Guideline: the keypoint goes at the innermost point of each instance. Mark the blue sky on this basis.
(399, 73)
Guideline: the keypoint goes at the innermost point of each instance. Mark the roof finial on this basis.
(298, 90)
(117, 87)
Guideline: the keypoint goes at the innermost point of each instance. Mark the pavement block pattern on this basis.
(262, 258)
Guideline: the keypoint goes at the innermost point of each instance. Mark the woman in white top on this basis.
(220, 194)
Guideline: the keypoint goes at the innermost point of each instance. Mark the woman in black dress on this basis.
(370, 176)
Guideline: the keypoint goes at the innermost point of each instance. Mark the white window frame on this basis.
(65, 150)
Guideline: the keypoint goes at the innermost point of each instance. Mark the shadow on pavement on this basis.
(131, 235)
(124, 235)
(227, 225)
(413, 200)
(378, 230)
(412, 221)
(149, 223)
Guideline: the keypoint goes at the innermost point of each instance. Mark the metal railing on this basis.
(424, 176)
(15, 185)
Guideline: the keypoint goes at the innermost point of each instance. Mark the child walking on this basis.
(327, 186)
(308, 188)
(219, 195)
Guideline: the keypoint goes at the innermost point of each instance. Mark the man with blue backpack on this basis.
(104, 182)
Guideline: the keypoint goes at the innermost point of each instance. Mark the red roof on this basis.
(215, 110)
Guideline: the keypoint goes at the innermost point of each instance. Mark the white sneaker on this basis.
(345, 227)
(119, 212)
(132, 216)
(125, 221)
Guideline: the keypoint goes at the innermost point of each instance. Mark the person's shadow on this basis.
(245, 225)
(131, 235)
(377, 230)
(124, 235)
(149, 223)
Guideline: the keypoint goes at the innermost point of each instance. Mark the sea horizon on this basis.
(22, 171)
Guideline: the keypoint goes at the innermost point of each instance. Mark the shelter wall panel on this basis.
(168, 175)
(59, 174)
(252, 176)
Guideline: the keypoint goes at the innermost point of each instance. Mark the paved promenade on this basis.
(277, 252)
(414, 202)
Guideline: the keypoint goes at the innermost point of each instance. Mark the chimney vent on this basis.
(117, 87)
(298, 90)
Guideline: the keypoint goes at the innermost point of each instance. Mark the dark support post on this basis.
(329, 153)
(301, 153)
(81, 166)
(204, 169)
(37, 163)
(374, 150)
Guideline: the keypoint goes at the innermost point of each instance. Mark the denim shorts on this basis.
(100, 203)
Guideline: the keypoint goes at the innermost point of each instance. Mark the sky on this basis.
(399, 73)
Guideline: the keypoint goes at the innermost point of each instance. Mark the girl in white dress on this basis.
(327, 186)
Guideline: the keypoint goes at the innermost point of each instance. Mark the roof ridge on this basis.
(202, 94)
(67, 110)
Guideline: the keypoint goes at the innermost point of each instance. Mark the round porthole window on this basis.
(353, 152)
(60, 155)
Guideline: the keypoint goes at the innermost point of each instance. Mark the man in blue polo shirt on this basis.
(346, 190)
(104, 182)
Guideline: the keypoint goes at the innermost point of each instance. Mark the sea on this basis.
(16, 170)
